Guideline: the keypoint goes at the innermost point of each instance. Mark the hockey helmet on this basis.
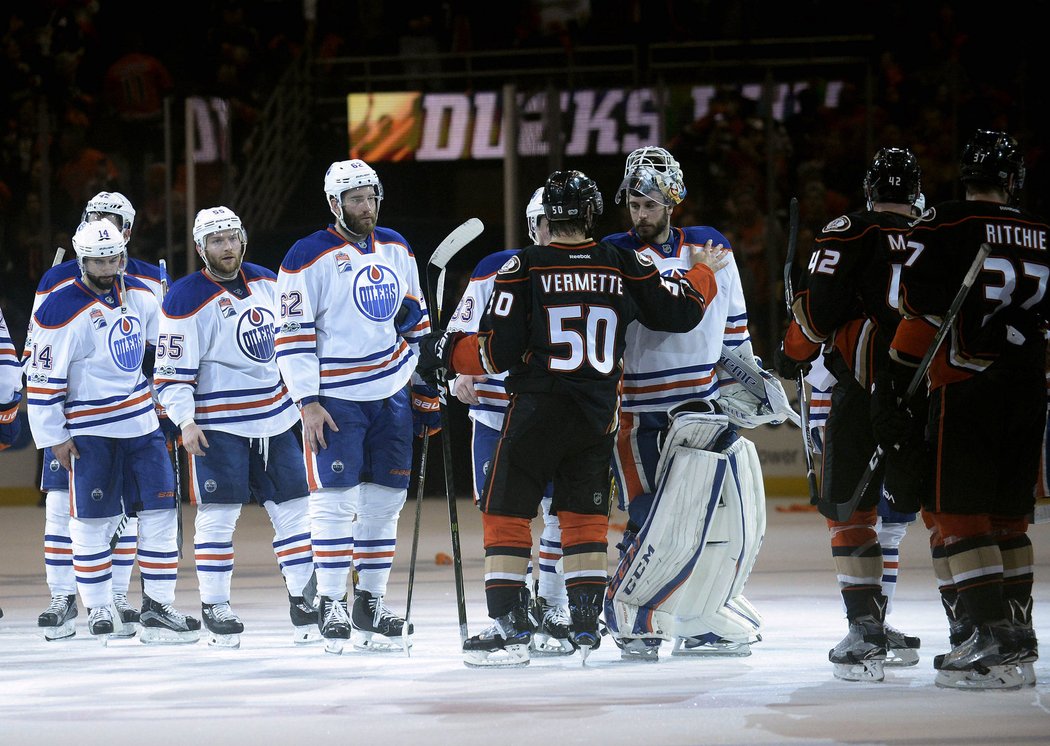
(344, 175)
(894, 176)
(97, 240)
(533, 213)
(993, 157)
(110, 203)
(215, 219)
(652, 169)
(571, 195)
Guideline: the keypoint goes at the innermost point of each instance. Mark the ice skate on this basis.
(901, 649)
(983, 661)
(304, 621)
(712, 645)
(224, 627)
(862, 653)
(58, 619)
(504, 644)
(100, 623)
(585, 608)
(1023, 639)
(126, 620)
(379, 630)
(334, 624)
(553, 630)
(163, 625)
(639, 649)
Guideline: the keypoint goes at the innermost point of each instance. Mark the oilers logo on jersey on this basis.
(255, 334)
(377, 292)
(126, 344)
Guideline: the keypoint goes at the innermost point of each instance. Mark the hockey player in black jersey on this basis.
(556, 322)
(987, 407)
(846, 306)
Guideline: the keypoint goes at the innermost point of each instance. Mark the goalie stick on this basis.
(800, 382)
(841, 511)
(454, 241)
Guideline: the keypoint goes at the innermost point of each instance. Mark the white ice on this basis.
(271, 692)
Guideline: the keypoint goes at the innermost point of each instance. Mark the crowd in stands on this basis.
(86, 80)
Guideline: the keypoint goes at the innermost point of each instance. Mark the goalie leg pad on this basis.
(661, 557)
(711, 599)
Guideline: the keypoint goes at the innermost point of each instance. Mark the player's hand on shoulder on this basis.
(715, 257)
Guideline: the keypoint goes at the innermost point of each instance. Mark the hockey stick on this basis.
(59, 255)
(415, 541)
(174, 439)
(842, 511)
(800, 382)
(456, 240)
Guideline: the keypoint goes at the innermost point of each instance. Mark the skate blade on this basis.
(585, 653)
(902, 657)
(368, 642)
(232, 642)
(1028, 672)
(998, 677)
(307, 635)
(715, 650)
(165, 636)
(512, 656)
(864, 671)
(543, 645)
(334, 645)
(61, 632)
(103, 638)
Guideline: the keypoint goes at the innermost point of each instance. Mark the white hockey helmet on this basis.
(110, 203)
(533, 213)
(214, 219)
(653, 169)
(344, 175)
(97, 240)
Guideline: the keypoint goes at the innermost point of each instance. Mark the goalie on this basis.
(691, 487)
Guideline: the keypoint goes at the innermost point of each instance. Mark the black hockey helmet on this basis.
(571, 195)
(894, 176)
(993, 158)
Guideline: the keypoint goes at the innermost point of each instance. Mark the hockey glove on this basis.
(10, 425)
(435, 350)
(426, 411)
(891, 420)
(788, 367)
(408, 316)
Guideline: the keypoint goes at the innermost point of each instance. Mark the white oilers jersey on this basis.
(662, 369)
(10, 370)
(83, 364)
(339, 305)
(65, 273)
(215, 355)
(491, 390)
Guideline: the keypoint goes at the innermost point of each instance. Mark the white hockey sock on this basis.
(58, 546)
(124, 556)
(159, 554)
(291, 541)
(890, 536)
(375, 535)
(331, 538)
(92, 559)
(213, 549)
(551, 585)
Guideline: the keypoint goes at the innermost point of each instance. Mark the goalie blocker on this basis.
(684, 573)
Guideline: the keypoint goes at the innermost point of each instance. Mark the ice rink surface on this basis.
(271, 692)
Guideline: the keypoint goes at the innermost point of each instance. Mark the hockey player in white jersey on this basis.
(58, 620)
(10, 387)
(218, 380)
(91, 404)
(352, 312)
(661, 372)
(487, 398)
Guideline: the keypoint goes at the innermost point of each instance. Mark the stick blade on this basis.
(463, 234)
